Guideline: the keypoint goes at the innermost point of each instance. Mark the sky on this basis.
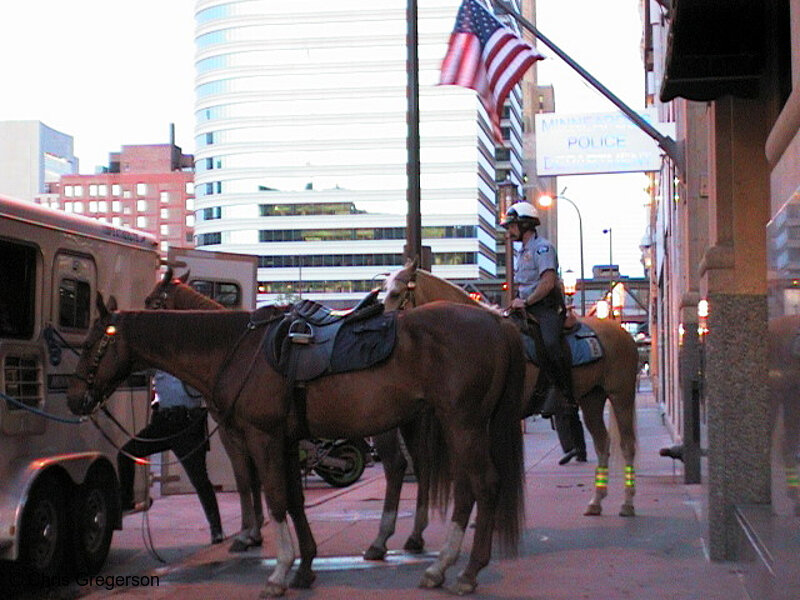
(113, 72)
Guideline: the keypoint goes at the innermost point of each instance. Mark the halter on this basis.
(108, 338)
(408, 295)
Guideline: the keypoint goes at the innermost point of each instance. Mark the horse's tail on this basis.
(506, 447)
(433, 470)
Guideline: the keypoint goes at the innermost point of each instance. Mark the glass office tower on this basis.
(301, 145)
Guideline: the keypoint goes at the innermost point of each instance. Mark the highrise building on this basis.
(301, 145)
(146, 187)
(32, 155)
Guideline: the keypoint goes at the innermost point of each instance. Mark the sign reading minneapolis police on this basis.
(589, 143)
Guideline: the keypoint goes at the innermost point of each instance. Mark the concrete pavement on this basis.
(659, 554)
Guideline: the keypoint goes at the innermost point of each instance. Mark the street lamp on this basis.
(507, 195)
(610, 260)
(546, 201)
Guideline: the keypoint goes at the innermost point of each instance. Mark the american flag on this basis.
(486, 56)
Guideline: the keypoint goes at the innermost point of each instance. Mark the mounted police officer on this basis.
(539, 293)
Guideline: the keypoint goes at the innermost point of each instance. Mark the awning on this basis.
(714, 48)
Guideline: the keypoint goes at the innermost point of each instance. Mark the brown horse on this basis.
(611, 378)
(463, 363)
(174, 294)
(784, 388)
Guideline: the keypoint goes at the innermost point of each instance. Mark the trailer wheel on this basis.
(44, 529)
(94, 516)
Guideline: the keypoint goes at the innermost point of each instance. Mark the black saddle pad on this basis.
(362, 344)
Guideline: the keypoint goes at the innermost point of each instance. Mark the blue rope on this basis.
(41, 413)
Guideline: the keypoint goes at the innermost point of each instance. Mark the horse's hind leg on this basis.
(624, 405)
(412, 435)
(248, 488)
(592, 405)
(387, 444)
(435, 574)
(304, 576)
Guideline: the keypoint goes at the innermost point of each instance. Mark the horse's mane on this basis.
(186, 295)
(446, 290)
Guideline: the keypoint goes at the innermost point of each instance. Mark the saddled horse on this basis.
(784, 388)
(173, 293)
(464, 364)
(612, 378)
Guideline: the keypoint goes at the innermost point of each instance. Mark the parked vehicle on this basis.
(59, 500)
(339, 462)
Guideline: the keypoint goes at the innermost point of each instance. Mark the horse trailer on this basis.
(59, 491)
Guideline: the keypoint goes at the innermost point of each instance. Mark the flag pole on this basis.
(413, 248)
(666, 143)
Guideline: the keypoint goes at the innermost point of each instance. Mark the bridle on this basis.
(408, 295)
(109, 336)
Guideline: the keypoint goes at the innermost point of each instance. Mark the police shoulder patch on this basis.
(543, 250)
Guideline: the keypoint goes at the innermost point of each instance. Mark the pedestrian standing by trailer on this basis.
(179, 423)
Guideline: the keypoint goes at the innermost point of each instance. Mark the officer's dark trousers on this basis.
(570, 430)
(557, 361)
(185, 431)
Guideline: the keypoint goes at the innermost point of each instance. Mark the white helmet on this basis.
(521, 212)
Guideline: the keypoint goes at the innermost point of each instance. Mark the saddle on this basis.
(312, 339)
(583, 342)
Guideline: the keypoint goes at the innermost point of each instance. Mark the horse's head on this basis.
(400, 288)
(103, 364)
(163, 295)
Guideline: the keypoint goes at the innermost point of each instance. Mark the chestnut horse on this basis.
(463, 363)
(611, 378)
(174, 294)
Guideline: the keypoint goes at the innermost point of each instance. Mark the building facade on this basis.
(33, 155)
(146, 187)
(301, 145)
(723, 226)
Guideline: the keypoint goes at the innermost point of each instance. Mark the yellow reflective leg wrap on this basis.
(630, 477)
(792, 478)
(601, 477)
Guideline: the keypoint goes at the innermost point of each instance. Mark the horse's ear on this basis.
(412, 264)
(101, 306)
(112, 304)
(167, 275)
(185, 277)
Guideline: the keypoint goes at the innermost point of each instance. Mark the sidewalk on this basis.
(659, 554)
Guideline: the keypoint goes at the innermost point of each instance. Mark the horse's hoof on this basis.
(627, 510)
(593, 510)
(375, 553)
(303, 579)
(414, 545)
(464, 585)
(244, 544)
(431, 580)
(272, 590)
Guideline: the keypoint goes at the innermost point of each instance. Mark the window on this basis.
(164, 213)
(17, 290)
(116, 189)
(141, 205)
(214, 212)
(102, 189)
(141, 222)
(126, 194)
(226, 293)
(116, 221)
(102, 206)
(73, 304)
(141, 189)
(93, 190)
(67, 206)
(164, 229)
(190, 220)
(164, 197)
(78, 190)
(190, 187)
(93, 206)
(68, 191)
(78, 207)
(116, 206)
(209, 239)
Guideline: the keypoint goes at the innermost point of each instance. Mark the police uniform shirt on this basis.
(171, 392)
(536, 256)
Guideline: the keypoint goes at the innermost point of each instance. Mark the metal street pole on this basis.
(610, 255)
(413, 248)
(580, 236)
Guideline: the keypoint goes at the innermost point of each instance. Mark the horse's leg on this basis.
(624, 405)
(463, 500)
(387, 444)
(247, 486)
(411, 434)
(484, 487)
(304, 576)
(592, 405)
(269, 453)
